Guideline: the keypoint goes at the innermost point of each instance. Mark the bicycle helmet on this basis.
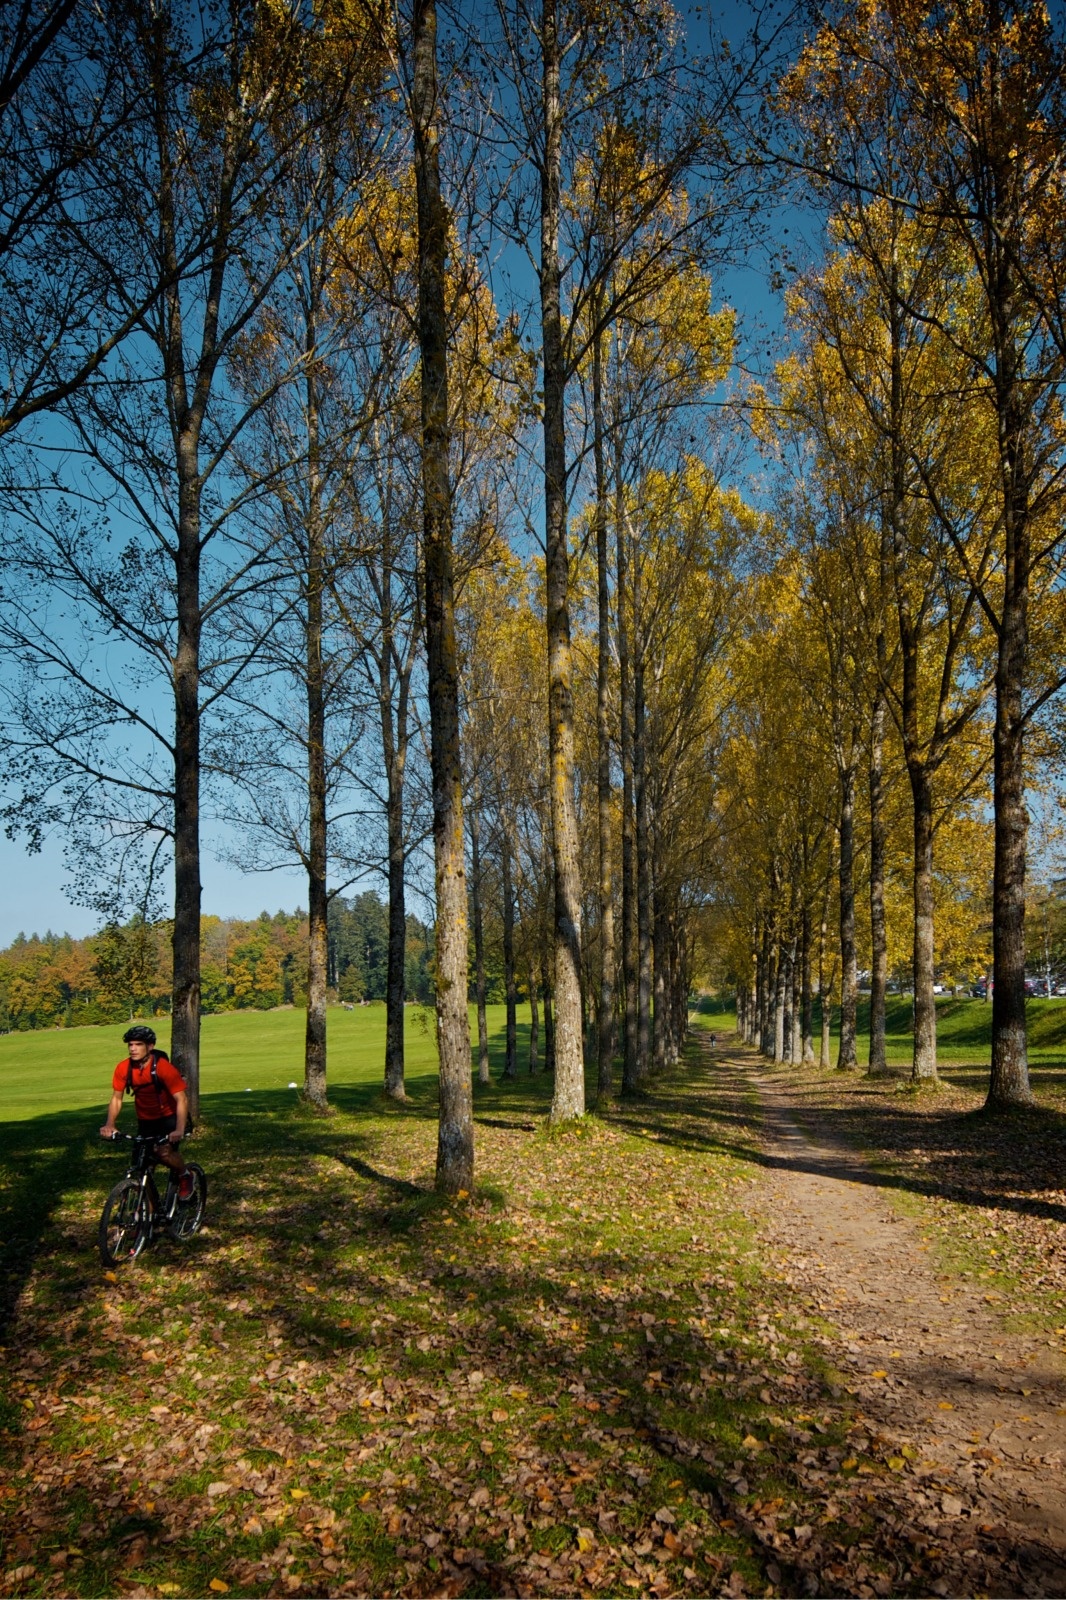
(139, 1032)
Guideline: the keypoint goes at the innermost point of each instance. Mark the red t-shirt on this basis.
(149, 1103)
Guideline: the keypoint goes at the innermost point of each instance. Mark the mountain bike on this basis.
(134, 1212)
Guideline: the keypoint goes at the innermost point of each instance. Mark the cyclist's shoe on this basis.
(186, 1187)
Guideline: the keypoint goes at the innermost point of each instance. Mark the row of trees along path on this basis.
(377, 468)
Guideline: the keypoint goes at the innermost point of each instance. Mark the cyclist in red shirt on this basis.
(160, 1100)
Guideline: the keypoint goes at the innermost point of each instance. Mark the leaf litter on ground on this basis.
(588, 1377)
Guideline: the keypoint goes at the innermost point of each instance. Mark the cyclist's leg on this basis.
(169, 1154)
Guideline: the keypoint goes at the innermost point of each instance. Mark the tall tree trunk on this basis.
(796, 1031)
(549, 1013)
(661, 1010)
(317, 900)
(826, 1006)
(630, 1057)
(923, 1069)
(510, 1069)
(534, 1020)
(824, 989)
(185, 1004)
(479, 943)
(569, 1096)
(643, 861)
(1009, 1081)
(806, 1002)
(678, 1007)
(455, 1139)
(606, 1018)
(787, 989)
(781, 967)
(396, 975)
(847, 1057)
(762, 980)
(766, 1022)
(878, 1065)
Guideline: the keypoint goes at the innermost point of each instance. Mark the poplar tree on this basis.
(455, 1144)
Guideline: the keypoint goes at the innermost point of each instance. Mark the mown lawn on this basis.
(68, 1069)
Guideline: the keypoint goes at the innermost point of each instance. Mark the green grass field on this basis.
(70, 1069)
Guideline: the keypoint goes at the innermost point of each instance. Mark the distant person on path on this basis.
(160, 1099)
(714, 1040)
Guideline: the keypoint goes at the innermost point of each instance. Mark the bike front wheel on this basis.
(188, 1215)
(125, 1224)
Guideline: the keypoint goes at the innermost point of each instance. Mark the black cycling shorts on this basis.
(157, 1127)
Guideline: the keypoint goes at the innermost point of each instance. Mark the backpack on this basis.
(157, 1084)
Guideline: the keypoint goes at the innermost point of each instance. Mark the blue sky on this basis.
(34, 900)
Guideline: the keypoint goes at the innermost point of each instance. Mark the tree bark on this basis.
(606, 1017)
(923, 1069)
(394, 750)
(185, 1004)
(643, 863)
(824, 988)
(806, 1001)
(534, 1019)
(510, 1068)
(630, 1069)
(796, 1032)
(766, 1021)
(878, 1066)
(762, 982)
(661, 1009)
(788, 986)
(1009, 1080)
(847, 1056)
(479, 944)
(568, 1100)
(826, 1008)
(455, 1139)
(780, 973)
(317, 895)
(549, 1015)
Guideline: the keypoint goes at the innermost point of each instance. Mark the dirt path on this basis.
(928, 1359)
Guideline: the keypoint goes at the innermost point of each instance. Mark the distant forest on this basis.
(55, 981)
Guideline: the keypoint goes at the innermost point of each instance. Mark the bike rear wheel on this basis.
(125, 1224)
(188, 1215)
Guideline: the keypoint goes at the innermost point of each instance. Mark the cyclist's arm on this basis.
(181, 1102)
(113, 1109)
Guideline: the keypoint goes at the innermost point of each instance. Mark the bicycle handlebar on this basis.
(141, 1138)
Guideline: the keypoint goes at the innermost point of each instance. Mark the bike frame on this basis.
(143, 1159)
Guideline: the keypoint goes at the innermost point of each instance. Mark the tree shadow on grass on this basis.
(42, 1159)
(970, 1157)
(578, 1344)
(46, 1159)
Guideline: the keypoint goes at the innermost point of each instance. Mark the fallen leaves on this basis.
(660, 1419)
